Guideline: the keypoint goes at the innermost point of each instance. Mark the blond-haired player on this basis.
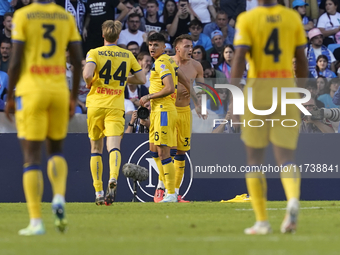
(41, 33)
(270, 36)
(106, 73)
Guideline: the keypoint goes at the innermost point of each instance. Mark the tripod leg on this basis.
(134, 191)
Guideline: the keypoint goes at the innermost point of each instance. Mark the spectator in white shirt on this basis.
(131, 33)
(329, 23)
(129, 107)
(203, 9)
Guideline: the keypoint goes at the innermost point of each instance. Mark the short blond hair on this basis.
(111, 30)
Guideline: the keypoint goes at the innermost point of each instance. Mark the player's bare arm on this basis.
(137, 78)
(76, 58)
(199, 79)
(301, 66)
(168, 89)
(198, 75)
(13, 76)
(88, 74)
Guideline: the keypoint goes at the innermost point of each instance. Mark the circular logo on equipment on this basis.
(146, 189)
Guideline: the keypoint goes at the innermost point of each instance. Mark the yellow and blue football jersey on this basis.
(163, 67)
(272, 34)
(113, 65)
(46, 29)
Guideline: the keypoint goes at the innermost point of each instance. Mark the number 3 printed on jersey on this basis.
(49, 28)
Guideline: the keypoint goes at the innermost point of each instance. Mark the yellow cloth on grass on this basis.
(244, 198)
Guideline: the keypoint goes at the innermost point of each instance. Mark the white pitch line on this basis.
(301, 208)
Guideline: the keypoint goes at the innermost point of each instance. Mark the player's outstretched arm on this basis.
(13, 76)
(76, 58)
(168, 89)
(137, 78)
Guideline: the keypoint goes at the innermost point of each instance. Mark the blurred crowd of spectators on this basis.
(211, 23)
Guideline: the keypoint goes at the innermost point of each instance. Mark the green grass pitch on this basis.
(207, 228)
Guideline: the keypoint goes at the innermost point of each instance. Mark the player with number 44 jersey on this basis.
(106, 73)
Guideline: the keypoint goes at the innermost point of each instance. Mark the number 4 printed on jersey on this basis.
(272, 45)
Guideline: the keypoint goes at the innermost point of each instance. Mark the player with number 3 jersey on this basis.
(41, 33)
(106, 73)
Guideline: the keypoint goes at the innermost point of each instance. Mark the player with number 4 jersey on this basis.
(270, 36)
(106, 73)
(271, 45)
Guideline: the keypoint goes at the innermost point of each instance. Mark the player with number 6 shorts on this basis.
(162, 134)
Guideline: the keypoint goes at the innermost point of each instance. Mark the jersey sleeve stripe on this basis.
(165, 75)
(242, 46)
(17, 41)
(92, 62)
(133, 72)
(300, 46)
(72, 42)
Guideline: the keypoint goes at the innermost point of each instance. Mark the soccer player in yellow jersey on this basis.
(192, 69)
(41, 33)
(106, 73)
(162, 135)
(269, 36)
